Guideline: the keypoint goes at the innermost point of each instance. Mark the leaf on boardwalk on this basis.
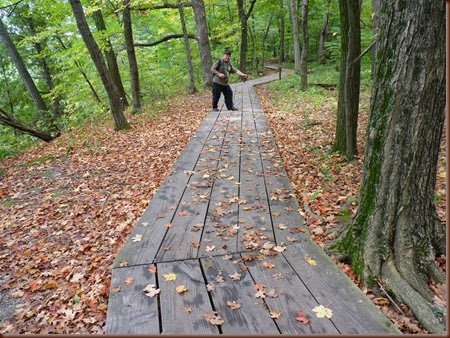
(233, 305)
(181, 288)
(170, 277)
(187, 309)
(291, 239)
(269, 265)
(302, 318)
(275, 314)
(282, 226)
(259, 287)
(129, 281)
(279, 249)
(197, 227)
(169, 225)
(145, 224)
(116, 289)
(210, 248)
(235, 276)
(210, 287)
(276, 213)
(260, 294)
(272, 293)
(322, 312)
(151, 290)
(227, 257)
(182, 213)
(196, 244)
(137, 238)
(152, 269)
(219, 278)
(213, 318)
(277, 276)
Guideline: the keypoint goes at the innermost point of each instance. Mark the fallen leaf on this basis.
(275, 314)
(181, 288)
(310, 260)
(182, 213)
(279, 249)
(210, 287)
(227, 257)
(269, 265)
(260, 294)
(196, 244)
(281, 226)
(145, 224)
(187, 309)
(277, 276)
(235, 276)
(259, 287)
(170, 277)
(168, 225)
(233, 305)
(322, 312)
(152, 269)
(137, 238)
(116, 289)
(210, 248)
(276, 213)
(302, 318)
(213, 318)
(128, 281)
(151, 290)
(272, 293)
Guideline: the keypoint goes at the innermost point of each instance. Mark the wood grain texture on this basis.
(174, 317)
(293, 297)
(130, 311)
(353, 312)
(252, 317)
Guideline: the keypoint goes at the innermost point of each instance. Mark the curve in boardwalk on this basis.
(225, 227)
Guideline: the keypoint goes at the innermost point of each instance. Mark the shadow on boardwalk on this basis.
(221, 248)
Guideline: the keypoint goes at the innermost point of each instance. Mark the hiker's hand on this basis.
(246, 76)
(221, 75)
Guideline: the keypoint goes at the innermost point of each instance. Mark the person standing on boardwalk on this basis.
(222, 69)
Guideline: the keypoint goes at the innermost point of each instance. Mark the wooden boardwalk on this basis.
(226, 223)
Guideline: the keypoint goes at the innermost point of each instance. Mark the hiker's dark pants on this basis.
(217, 89)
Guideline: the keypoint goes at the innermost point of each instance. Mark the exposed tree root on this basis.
(422, 309)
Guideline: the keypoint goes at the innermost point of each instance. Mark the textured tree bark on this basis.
(203, 41)
(8, 120)
(110, 56)
(352, 78)
(324, 34)
(297, 48)
(132, 61)
(97, 57)
(192, 88)
(26, 77)
(45, 71)
(396, 233)
(304, 63)
(376, 5)
(340, 142)
(243, 17)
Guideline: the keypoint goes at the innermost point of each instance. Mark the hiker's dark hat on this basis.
(227, 52)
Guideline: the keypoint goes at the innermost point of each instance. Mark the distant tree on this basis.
(243, 17)
(116, 103)
(396, 233)
(305, 47)
(296, 36)
(324, 33)
(110, 55)
(192, 88)
(203, 41)
(282, 31)
(132, 61)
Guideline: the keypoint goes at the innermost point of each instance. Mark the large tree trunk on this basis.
(352, 78)
(80, 68)
(297, 48)
(97, 57)
(203, 41)
(134, 70)
(396, 232)
(110, 56)
(8, 120)
(243, 18)
(324, 34)
(192, 88)
(340, 141)
(26, 77)
(45, 70)
(304, 63)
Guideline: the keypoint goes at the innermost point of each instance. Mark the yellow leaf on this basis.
(170, 277)
(312, 262)
(181, 288)
(322, 312)
(443, 174)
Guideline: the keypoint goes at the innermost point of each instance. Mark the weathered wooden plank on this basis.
(252, 317)
(353, 312)
(160, 210)
(184, 313)
(130, 311)
(293, 297)
(180, 241)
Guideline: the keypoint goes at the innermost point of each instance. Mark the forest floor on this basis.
(66, 208)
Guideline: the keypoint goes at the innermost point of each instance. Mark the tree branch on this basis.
(252, 4)
(364, 52)
(166, 5)
(11, 5)
(168, 37)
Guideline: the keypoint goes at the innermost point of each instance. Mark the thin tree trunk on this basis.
(192, 88)
(266, 34)
(324, 34)
(134, 70)
(396, 233)
(305, 48)
(243, 18)
(297, 48)
(282, 29)
(8, 91)
(80, 68)
(110, 56)
(340, 142)
(45, 71)
(97, 57)
(376, 5)
(26, 77)
(352, 78)
(8, 120)
(203, 41)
